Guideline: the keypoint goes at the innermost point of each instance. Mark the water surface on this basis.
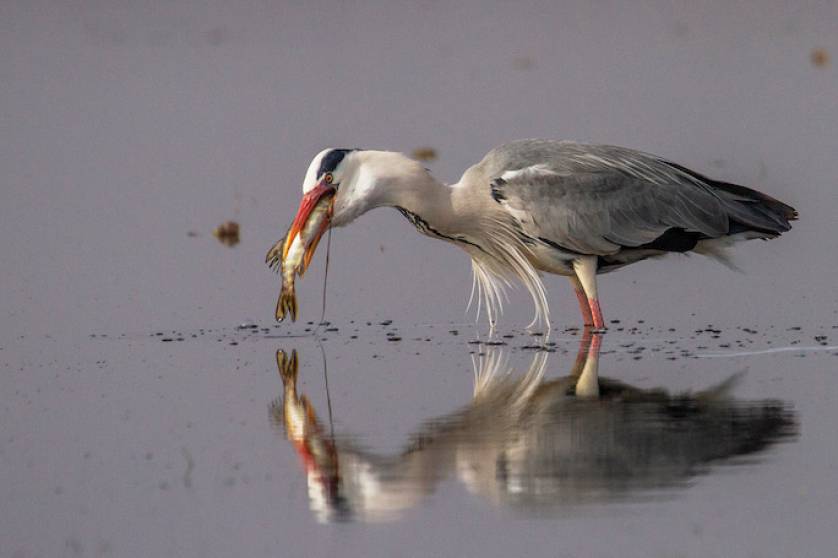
(139, 418)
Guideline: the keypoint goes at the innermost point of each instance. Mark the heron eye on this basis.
(329, 178)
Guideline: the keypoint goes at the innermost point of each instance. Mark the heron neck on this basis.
(419, 194)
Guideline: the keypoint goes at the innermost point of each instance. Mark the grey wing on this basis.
(598, 200)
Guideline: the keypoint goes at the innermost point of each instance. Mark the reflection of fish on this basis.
(294, 253)
(315, 448)
(536, 445)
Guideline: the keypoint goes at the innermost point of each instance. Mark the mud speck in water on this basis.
(227, 233)
(424, 154)
(819, 57)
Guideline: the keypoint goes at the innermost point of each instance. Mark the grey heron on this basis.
(533, 206)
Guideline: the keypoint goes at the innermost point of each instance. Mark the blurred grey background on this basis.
(128, 125)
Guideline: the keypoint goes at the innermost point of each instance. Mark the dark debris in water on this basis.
(631, 343)
(424, 154)
(544, 348)
(819, 57)
(227, 233)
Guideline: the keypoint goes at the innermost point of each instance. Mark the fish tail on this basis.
(287, 304)
(287, 366)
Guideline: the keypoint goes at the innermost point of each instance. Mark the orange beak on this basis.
(307, 205)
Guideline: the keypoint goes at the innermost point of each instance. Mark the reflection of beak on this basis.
(307, 205)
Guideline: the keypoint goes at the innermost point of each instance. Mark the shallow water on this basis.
(132, 445)
(142, 410)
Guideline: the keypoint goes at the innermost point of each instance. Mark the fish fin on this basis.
(309, 253)
(287, 304)
(286, 245)
(280, 308)
(292, 306)
(273, 256)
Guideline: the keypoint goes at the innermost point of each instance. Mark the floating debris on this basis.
(819, 57)
(227, 233)
(424, 154)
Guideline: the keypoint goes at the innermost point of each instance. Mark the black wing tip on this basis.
(783, 210)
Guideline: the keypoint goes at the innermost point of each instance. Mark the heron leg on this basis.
(584, 307)
(585, 268)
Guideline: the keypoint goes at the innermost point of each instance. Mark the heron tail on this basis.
(751, 211)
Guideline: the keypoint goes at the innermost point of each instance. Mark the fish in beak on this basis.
(310, 201)
(294, 253)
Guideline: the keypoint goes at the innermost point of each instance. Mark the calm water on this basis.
(144, 410)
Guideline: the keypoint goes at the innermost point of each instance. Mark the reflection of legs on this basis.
(587, 384)
(582, 353)
(585, 268)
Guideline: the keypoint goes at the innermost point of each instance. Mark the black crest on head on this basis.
(332, 159)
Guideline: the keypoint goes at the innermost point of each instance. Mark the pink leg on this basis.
(599, 322)
(585, 268)
(584, 307)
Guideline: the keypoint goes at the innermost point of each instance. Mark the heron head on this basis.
(333, 174)
(322, 181)
(355, 180)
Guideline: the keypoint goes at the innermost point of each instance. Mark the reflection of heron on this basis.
(535, 445)
(536, 206)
